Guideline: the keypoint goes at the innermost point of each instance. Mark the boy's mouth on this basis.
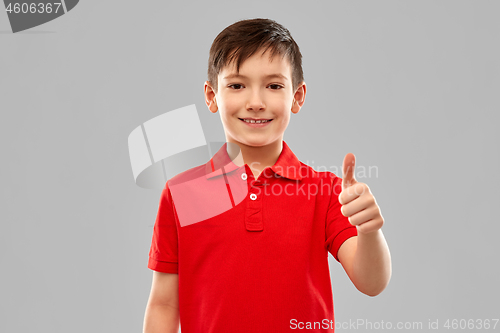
(255, 121)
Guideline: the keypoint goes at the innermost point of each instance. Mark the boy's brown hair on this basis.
(242, 39)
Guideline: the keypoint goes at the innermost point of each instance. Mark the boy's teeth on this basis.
(256, 122)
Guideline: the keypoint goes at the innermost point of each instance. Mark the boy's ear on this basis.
(210, 97)
(299, 97)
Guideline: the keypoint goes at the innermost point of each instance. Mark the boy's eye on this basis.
(237, 86)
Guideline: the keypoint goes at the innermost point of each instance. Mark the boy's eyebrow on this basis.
(280, 76)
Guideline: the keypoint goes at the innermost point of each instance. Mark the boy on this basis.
(261, 265)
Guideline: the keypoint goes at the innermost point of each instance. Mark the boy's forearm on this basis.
(161, 318)
(372, 263)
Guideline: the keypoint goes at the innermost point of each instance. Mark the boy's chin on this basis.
(256, 142)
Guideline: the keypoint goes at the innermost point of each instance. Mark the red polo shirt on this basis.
(252, 255)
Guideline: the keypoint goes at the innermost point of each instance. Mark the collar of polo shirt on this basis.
(287, 165)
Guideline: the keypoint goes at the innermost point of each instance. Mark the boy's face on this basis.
(262, 90)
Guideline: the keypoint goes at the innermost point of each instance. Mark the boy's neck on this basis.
(257, 158)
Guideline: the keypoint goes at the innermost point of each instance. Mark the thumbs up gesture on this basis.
(358, 203)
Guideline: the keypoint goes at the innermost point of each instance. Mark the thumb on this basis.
(348, 171)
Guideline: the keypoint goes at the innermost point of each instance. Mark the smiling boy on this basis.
(261, 265)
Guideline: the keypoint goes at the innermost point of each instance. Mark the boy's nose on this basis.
(255, 103)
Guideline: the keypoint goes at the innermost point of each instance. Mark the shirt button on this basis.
(244, 176)
(253, 196)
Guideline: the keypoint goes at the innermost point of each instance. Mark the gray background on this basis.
(410, 87)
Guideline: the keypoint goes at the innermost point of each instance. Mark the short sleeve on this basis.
(163, 254)
(338, 227)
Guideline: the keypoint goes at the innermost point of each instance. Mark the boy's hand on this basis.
(358, 203)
